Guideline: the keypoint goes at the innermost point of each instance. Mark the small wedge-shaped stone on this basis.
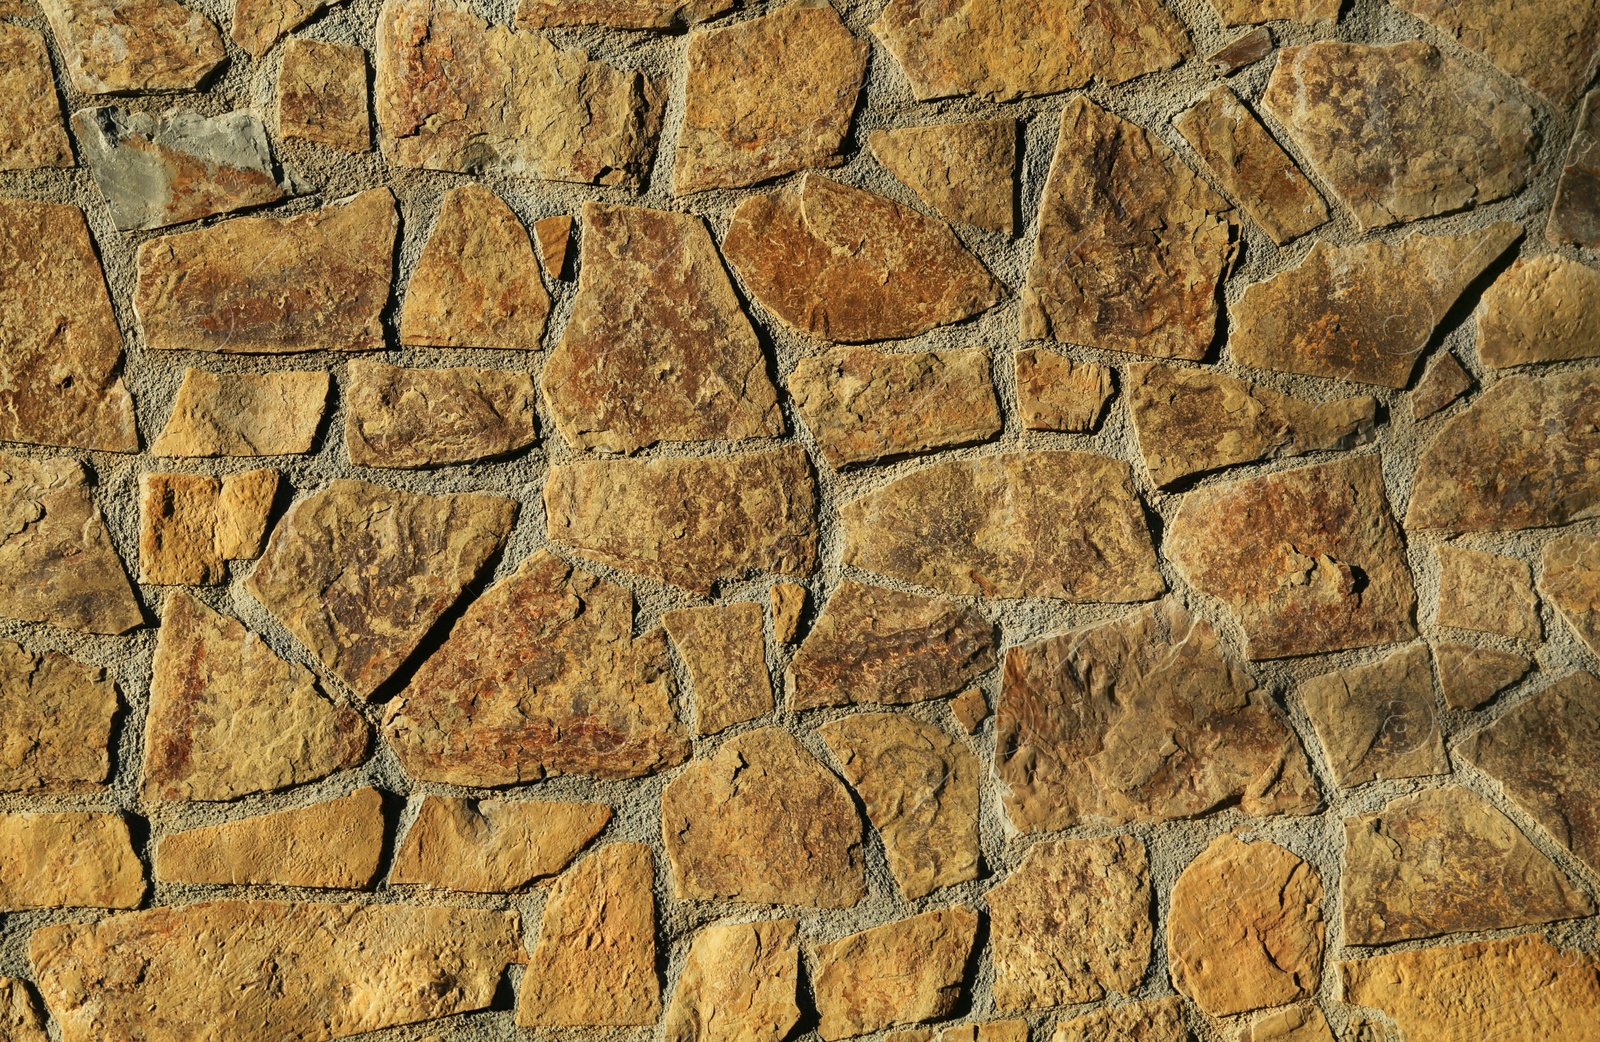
(553, 236)
(888, 647)
(322, 95)
(1190, 421)
(1071, 923)
(1521, 456)
(900, 973)
(243, 510)
(845, 264)
(191, 525)
(20, 1019)
(493, 847)
(121, 46)
(411, 418)
(456, 93)
(1402, 132)
(1132, 246)
(325, 290)
(241, 971)
(1028, 524)
(1487, 592)
(1471, 676)
(359, 573)
(258, 24)
(864, 405)
(1250, 12)
(1055, 393)
(738, 985)
(1141, 719)
(57, 713)
(1309, 560)
(920, 787)
(68, 861)
(1362, 313)
(1551, 45)
(966, 171)
(595, 962)
(788, 604)
(657, 348)
(1546, 309)
(1571, 582)
(762, 821)
(244, 414)
(542, 675)
(1379, 721)
(1575, 214)
(1442, 385)
(619, 14)
(31, 133)
(690, 522)
(768, 96)
(1156, 1020)
(58, 373)
(1005, 49)
(332, 845)
(725, 650)
(970, 709)
(55, 553)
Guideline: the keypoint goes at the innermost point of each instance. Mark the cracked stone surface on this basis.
(336, 844)
(69, 860)
(31, 132)
(1570, 580)
(1550, 45)
(619, 14)
(1055, 393)
(191, 525)
(898, 973)
(493, 846)
(1488, 593)
(244, 414)
(737, 985)
(724, 648)
(1378, 721)
(1543, 309)
(1470, 676)
(410, 418)
(965, 171)
(128, 46)
(58, 714)
(322, 95)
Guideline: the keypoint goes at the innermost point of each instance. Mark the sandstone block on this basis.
(1471, 676)
(1055, 393)
(20, 1019)
(31, 132)
(409, 418)
(1378, 721)
(970, 709)
(124, 46)
(1249, 12)
(553, 236)
(244, 414)
(1156, 1020)
(493, 847)
(738, 985)
(788, 604)
(1487, 592)
(899, 973)
(1442, 385)
(1548, 44)
(965, 171)
(322, 94)
(258, 24)
(57, 715)
(1571, 582)
(726, 652)
(619, 14)
(1291, 1024)
(72, 860)
(1242, 51)
(1546, 309)
(191, 525)
(330, 845)
(1575, 214)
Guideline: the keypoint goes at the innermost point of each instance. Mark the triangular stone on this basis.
(966, 171)
(1470, 676)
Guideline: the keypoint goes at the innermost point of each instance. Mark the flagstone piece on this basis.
(1544, 309)
(1378, 721)
(258, 24)
(965, 171)
(553, 236)
(71, 860)
(1570, 580)
(410, 418)
(493, 846)
(32, 136)
(1575, 214)
(1470, 676)
(619, 14)
(127, 46)
(244, 414)
(57, 715)
(725, 650)
(1054, 393)
(1488, 593)
(1250, 12)
(1154, 1020)
(20, 1019)
(336, 844)
(788, 604)
(970, 709)
(1550, 45)
(322, 94)
(738, 985)
(1442, 385)
(899, 973)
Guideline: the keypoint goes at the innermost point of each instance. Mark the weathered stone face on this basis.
(57, 732)
(1544, 309)
(493, 847)
(19, 1013)
(244, 414)
(1241, 51)
(725, 650)
(1571, 582)
(1471, 676)
(1249, 12)
(1487, 592)
(738, 985)
(1379, 721)
(31, 134)
(965, 171)
(1442, 385)
(244, 507)
(1550, 45)
(322, 94)
(120, 46)
(970, 709)
(788, 604)
(191, 525)
(899, 973)
(1575, 214)
(431, 417)
(331, 845)
(70, 860)
(619, 14)
(1055, 393)
(554, 236)
(258, 24)
(1291, 1024)
(1156, 1020)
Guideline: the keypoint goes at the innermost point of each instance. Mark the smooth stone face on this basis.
(1571, 582)
(1249, 12)
(20, 1019)
(619, 14)
(1575, 215)
(1071, 923)
(1548, 44)
(847, 265)
(788, 604)
(56, 731)
(1309, 560)
(763, 822)
(1470, 676)
(1132, 246)
(1292, 1024)
(1141, 719)
(331, 845)
(657, 348)
(553, 236)
(432, 417)
(1543, 309)
(1487, 592)
(1442, 384)
(899, 973)
(258, 24)
(191, 525)
(725, 650)
(322, 94)
(1156, 1020)
(68, 861)
(124, 46)
(1028, 524)
(542, 675)
(965, 171)
(493, 847)
(738, 985)
(326, 290)
(31, 132)
(1378, 721)
(1055, 393)
(970, 709)
(244, 414)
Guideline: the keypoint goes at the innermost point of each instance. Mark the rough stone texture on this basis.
(326, 290)
(1190, 421)
(1054, 393)
(322, 94)
(493, 847)
(57, 732)
(456, 93)
(767, 96)
(59, 373)
(20, 1019)
(1132, 246)
(689, 522)
(68, 861)
(738, 985)
(258, 24)
(1002, 49)
(888, 647)
(1551, 45)
(1365, 312)
(245, 970)
(1157, 1020)
(331, 845)
(1378, 721)
(1470, 676)
(920, 788)
(965, 171)
(191, 525)
(595, 962)
(1575, 214)
(243, 509)
(1487, 593)
(970, 709)
(1021, 524)
(762, 821)
(553, 236)
(121, 46)
(1442, 384)
(1241, 51)
(1070, 923)
(433, 417)
(725, 650)
(31, 134)
(788, 605)
(1292, 1024)
(1570, 580)
(1309, 560)
(899, 973)
(1544, 309)
(657, 348)
(1245, 930)
(1249, 12)
(359, 573)
(844, 264)
(619, 14)
(1141, 719)
(1521, 456)
(244, 414)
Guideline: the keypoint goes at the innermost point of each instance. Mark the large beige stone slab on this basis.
(1551, 45)
(1470, 676)
(737, 985)
(1378, 721)
(331, 845)
(56, 731)
(20, 1019)
(1544, 309)
(322, 95)
(493, 846)
(71, 860)
(1155, 1020)
(899, 973)
(409, 418)
(1486, 592)
(965, 171)
(1575, 214)
(258, 24)
(1570, 581)
(725, 649)
(244, 414)
(31, 132)
(124, 46)
(1249, 12)
(1055, 393)
(619, 14)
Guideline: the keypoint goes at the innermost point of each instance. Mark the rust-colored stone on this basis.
(330, 845)
(1241, 51)
(244, 414)
(1488, 593)
(322, 94)
(1575, 214)
(619, 14)
(788, 605)
(1442, 385)
(738, 985)
(1544, 309)
(1055, 393)
(121, 46)
(1570, 580)
(31, 132)
(1378, 721)
(493, 847)
(430, 417)
(899, 973)
(965, 171)
(1155, 1020)
(725, 650)
(56, 734)
(69, 860)
(258, 24)
(554, 236)
(1250, 12)
(1470, 676)
(1551, 45)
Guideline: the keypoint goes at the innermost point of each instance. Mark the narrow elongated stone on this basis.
(1155, 1020)
(1249, 12)
(1378, 721)
(1470, 676)
(322, 94)
(243, 510)
(619, 14)
(1550, 45)
(725, 650)
(738, 985)
(124, 46)
(31, 132)
(1442, 385)
(57, 713)
(429, 417)
(1575, 214)
(1544, 309)
(244, 414)
(258, 24)
(20, 1018)
(1242, 51)
(788, 605)
(899, 973)
(331, 845)
(72, 860)
(1570, 581)
(1055, 393)
(493, 847)
(1487, 592)
(966, 171)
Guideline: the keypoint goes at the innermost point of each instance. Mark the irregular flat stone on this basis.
(332, 845)
(1550, 45)
(1245, 930)
(243, 509)
(689, 522)
(1132, 246)
(999, 51)
(966, 171)
(1250, 12)
(68, 861)
(1570, 580)
(322, 94)
(619, 14)
(476, 283)
(887, 647)
(1141, 719)
(258, 24)
(1378, 721)
(725, 650)
(993, 1031)
(843, 264)
(553, 236)
(1487, 592)
(244, 414)
(1241, 51)
(542, 675)
(970, 709)
(1024, 524)
(1070, 923)
(57, 731)
(122, 46)
(1155, 1020)
(657, 348)
(595, 962)
(253, 969)
(1543, 309)
(1190, 421)
(59, 382)
(738, 985)
(1575, 214)
(1055, 393)
(1521, 456)
(1309, 560)
(456, 93)
(1291, 1024)
(359, 573)
(1442, 384)
(788, 604)
(433, 417)
(55, 552)
(20, 1019)
(899, 973)
(1401, 132)
(920, 788)
(1521, 987)
(762, 821)
(1363, 313)
(493, 847)
(1470, 676)
(326, 290)
(191, 525)
(864, 406)
(31, 132)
